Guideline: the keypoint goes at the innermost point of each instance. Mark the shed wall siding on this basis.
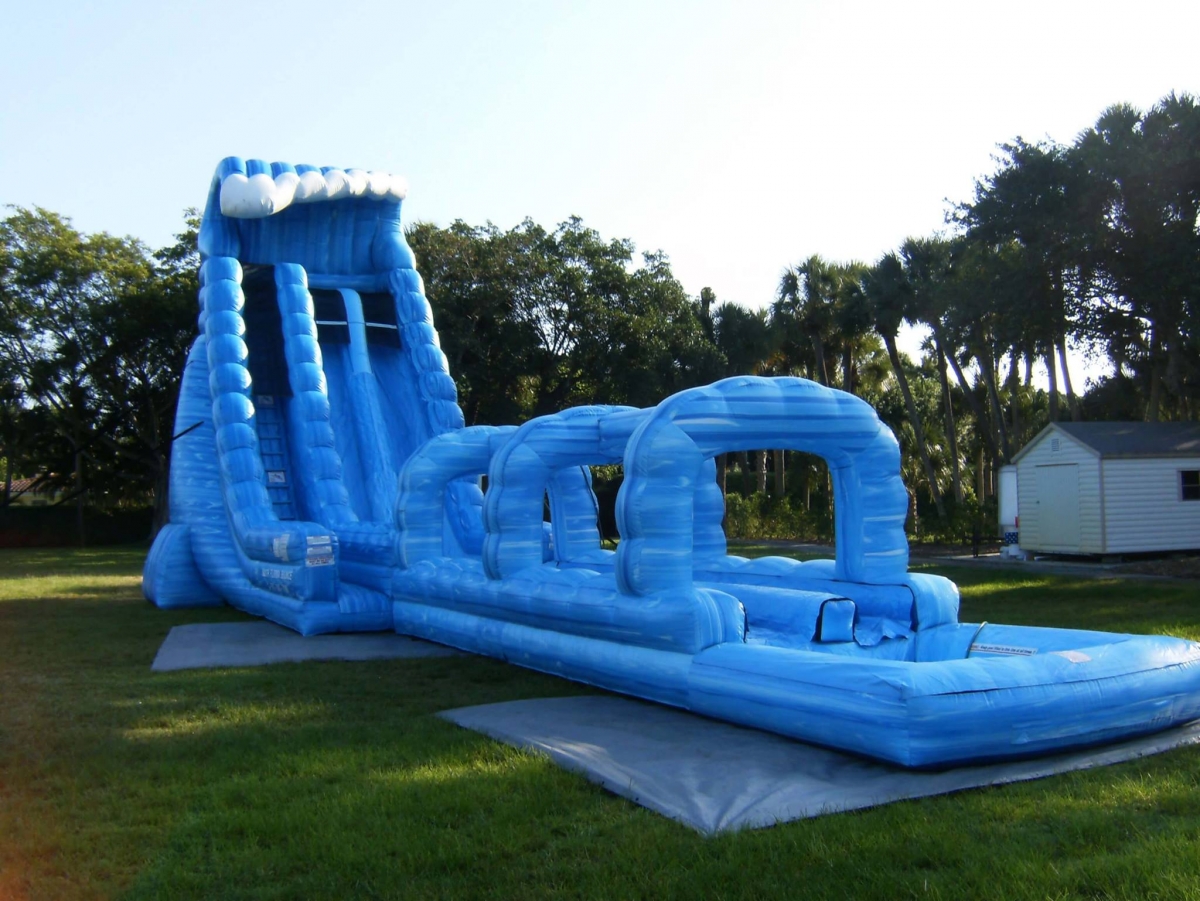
(1143, 510)
(1070, 451)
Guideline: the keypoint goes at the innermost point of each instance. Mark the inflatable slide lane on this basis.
(324, 479)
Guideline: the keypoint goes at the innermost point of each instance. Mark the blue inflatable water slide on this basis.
(323, 478)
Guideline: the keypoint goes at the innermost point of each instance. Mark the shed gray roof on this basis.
(1132, 439)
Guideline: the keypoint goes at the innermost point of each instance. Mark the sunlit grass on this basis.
(58, 573)
(192, 721)
(93, 588)
(338, 780)
(1106, 604)
(751, 548)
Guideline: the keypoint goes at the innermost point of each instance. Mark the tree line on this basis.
(1092, 246)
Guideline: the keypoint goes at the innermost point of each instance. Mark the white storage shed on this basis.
(1110, 488)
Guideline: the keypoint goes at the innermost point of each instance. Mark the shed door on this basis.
(1058, 506)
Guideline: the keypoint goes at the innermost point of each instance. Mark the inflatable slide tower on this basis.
(316, 373)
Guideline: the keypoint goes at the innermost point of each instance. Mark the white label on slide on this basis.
(1006, 649)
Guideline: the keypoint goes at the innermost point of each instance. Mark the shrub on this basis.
(763, 516)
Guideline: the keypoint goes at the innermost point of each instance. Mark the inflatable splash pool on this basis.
(325, 480)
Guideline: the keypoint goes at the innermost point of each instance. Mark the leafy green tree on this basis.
(1042, 198)
(1144, 171)
(94, 332)
(11, 431)
(479, 281)
(647, 342)
(533, 321)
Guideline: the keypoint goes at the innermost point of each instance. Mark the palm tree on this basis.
(747, 341)
(984, 316)
(804, 306)
(851, 318)
(744, 337)
(927, 265)
(886, 287)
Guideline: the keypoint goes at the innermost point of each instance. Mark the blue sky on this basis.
(738, 137)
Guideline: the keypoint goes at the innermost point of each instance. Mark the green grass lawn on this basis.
(335, 780)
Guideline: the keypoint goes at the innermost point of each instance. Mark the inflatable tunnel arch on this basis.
(542, 457)
(425, 480)
(664, 459)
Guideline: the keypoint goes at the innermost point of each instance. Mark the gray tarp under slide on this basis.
(714, 777)
(255, 643)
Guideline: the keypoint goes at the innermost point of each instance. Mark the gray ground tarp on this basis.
(256, 643)
(714, 777)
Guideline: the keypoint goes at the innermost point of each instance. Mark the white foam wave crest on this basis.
(259, 196)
